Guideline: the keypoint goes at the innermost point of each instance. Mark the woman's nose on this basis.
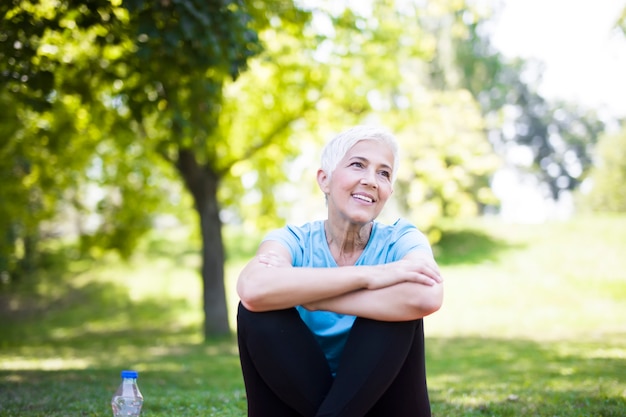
(369, 178)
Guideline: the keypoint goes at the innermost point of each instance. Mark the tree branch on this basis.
(266, 140)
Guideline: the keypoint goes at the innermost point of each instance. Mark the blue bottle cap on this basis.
(129, 374)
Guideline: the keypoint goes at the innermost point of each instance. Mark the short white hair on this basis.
(338, 147)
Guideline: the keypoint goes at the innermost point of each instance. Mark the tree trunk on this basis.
(202, 182)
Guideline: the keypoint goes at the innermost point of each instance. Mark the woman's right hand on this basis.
(418, 269)
(273, 259)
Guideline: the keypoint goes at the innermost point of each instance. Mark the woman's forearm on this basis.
(351, 288)
(270, 282)
(263, 288)
(400, 302)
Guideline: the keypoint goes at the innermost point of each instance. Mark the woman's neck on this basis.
(347, 243)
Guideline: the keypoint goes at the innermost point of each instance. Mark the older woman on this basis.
(330, 319)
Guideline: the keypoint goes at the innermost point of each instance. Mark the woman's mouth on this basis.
(363, 197)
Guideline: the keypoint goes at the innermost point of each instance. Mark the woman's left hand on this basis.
(272, 259)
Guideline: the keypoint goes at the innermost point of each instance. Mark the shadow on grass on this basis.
(467, 246)
(97, 313)
(65, 302)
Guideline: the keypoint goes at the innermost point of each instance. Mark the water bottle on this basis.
(127, 400)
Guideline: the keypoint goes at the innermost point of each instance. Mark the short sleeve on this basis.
(407, 238)
(290, 239)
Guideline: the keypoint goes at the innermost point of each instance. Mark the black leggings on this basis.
(381, 372)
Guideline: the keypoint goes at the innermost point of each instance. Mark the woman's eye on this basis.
(357, 164)
(386, 174)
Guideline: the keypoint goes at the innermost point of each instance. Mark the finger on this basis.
(264, 259)
(433, 273)
(425, 280)
(436, 276)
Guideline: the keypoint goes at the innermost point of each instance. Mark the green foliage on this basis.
(145, 83)
(26, 81)
(282, 86)
(447, 162)
(118, 110)
(46, 154)
(609, 174)
(446, 157)
(58, 133)
(176, 31)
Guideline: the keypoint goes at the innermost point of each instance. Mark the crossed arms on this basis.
(404, 290)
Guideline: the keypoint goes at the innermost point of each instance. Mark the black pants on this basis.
(381, 372)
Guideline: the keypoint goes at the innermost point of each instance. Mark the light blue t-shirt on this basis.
(309, 248)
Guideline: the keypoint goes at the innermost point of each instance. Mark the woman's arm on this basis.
(400, 302)
(269, 282)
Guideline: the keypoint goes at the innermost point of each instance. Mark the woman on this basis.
(330, 319)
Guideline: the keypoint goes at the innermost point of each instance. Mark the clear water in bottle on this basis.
(127, 400)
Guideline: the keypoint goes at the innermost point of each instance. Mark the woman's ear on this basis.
(323, 180)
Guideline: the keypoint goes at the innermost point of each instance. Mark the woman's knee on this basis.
(267, 323)
(385, 329)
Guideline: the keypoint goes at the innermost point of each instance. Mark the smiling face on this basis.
(361, 183)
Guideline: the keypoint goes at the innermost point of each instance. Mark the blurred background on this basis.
(134, 119)
(146, 148)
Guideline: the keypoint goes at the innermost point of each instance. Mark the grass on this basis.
(532, 325)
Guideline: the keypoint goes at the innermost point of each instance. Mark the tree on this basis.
(65, 128)
(177, 90)
(151, 75)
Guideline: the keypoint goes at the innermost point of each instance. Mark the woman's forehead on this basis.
(369, 149)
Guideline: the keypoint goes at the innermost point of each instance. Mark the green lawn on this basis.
(533, 324)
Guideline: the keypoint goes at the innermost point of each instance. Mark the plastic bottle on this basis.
(127, 400)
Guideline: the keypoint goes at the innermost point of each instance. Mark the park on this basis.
(147, 148)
